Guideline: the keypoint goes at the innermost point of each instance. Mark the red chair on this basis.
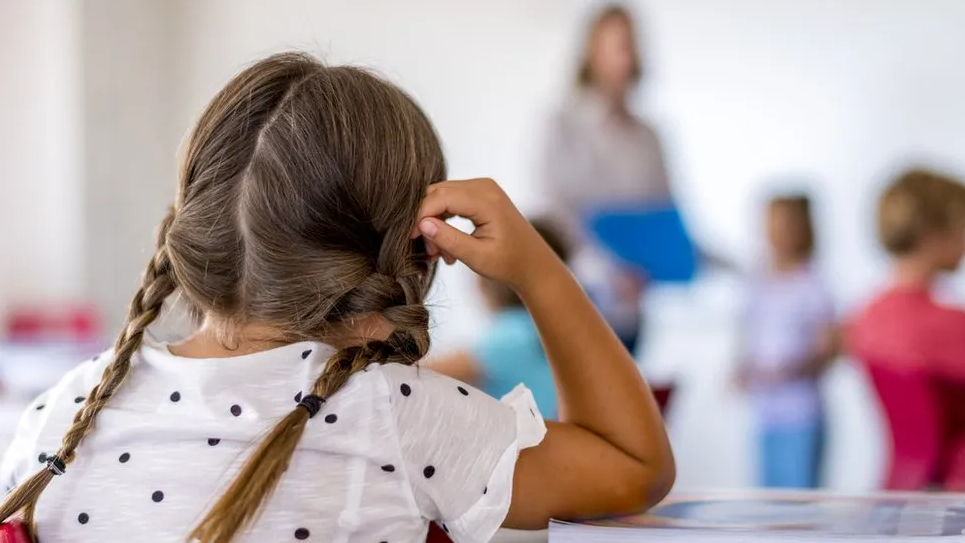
(915, 422)
(436, 535)
(663, 395)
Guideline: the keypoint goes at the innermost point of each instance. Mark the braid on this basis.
(158, 284)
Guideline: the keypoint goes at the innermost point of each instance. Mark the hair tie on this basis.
(312, 404)
(56, 466)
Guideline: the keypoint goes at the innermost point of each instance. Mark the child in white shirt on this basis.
(304, 238)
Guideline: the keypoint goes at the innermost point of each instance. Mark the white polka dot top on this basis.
(397, 447)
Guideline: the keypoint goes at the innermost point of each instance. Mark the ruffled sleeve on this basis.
(459, 447)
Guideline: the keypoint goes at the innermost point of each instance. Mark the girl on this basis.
(304, 236)
(788, 342)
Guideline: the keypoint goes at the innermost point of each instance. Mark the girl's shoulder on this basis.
(417, 384)
(73, 388)
(49, 416)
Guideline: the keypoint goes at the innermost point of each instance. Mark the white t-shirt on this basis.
(397, 447)
(785, 314)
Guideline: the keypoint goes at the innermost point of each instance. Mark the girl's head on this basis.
(298, 192)
(790, 230)
(921, 215)
(610, 61)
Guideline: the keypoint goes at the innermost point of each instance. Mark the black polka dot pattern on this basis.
(83, 518)
(157, 497)
(41, 407)
(405, 389)
(175, 396)
(445, 528)
(463, 391)
(429, 471)
(124, 458)
(298, 397)
(331, 419)
(388, 468)
(213, 441)
(236, 410)
(79, 399)
(302, 533)
(306, 354)
(42, 458)
(485, 490)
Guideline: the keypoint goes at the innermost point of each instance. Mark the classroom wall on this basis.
(130, 142)
(846, 92)
(42, 241)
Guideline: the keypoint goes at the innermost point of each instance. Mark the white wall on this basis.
(130, 141)
(846, 91)
(42, 244)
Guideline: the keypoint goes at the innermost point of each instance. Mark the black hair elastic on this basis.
(312, 404)
(55, 465)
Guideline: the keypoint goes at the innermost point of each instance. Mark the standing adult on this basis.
(600, 153)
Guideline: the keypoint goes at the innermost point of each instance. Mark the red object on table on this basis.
(926, 422)
(13, 532)
(71, 322)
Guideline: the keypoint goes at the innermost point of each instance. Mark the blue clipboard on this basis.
(652, 238)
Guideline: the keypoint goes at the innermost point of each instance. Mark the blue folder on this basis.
(651, 238)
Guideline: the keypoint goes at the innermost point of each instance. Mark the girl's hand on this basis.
(503, 246)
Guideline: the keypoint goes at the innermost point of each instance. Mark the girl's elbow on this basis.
(663, 484)
(651, 485)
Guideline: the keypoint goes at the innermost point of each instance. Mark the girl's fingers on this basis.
(450, 241)
(453, 198)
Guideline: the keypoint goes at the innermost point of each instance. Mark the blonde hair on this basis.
(298, 192)
(918, 202)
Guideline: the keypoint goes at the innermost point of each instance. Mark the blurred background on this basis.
(97, 96)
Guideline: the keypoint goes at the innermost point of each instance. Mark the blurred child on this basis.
(510, 351)
(921, 224)
(788, 341)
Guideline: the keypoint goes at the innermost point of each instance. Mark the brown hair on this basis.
(799, 206)
(584, 76)
(918, 202)
(504, 297)
(298, 192)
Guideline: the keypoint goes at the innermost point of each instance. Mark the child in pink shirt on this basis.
(921, 223)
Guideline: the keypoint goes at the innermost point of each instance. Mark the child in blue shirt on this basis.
(510, 351)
